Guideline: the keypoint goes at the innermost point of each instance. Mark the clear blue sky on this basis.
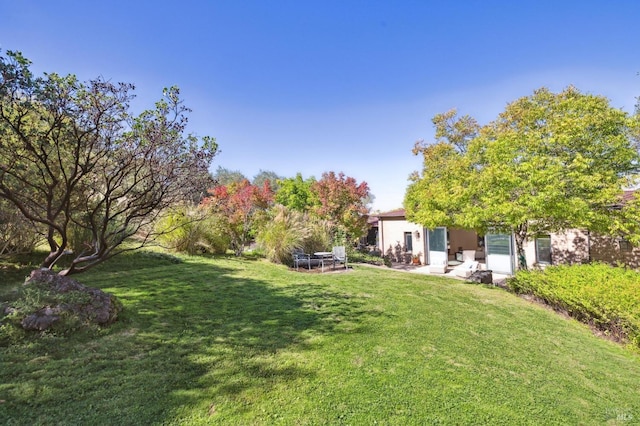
(313, 86)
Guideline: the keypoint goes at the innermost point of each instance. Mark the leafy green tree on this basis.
(295, 193)
(458, 132)
(549, 163)
(73, 159)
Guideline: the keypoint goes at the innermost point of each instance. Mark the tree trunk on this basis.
(520, 236)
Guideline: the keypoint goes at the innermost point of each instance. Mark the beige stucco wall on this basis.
(566, 248)
(467, 240)
(609, 250)
(391, 232)
(573, 246)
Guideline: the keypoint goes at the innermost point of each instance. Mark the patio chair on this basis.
(438, 267)
(466, 268)
(339, 256)
(468, 255)
(300, 257)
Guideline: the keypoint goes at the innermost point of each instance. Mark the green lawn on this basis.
(227, 341)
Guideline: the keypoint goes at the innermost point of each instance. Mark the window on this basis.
(543, 249)
(499, 244)
(438, 240)
(625, 245)
(408, 242)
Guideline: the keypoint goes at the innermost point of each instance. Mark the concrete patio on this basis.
(498, 279)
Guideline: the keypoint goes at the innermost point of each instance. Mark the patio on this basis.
(498, 279)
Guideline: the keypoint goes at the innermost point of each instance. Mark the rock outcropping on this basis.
(87, 304)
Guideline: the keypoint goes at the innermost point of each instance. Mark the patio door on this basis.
(499, 253)
(437, 243)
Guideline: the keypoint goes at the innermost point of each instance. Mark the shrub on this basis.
(191, 230)
(318, 237)
(289, 229)
(358, 256)
(604, 296)
(282, 234)
(17, 234)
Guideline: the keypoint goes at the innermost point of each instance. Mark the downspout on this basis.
(381, 231)
(425, 244)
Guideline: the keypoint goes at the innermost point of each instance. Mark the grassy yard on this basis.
(228, 341)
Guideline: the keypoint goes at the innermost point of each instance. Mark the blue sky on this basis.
(313, 86)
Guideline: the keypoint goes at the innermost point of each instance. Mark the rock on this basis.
(90, 305)
(481, 277)
(41, 320)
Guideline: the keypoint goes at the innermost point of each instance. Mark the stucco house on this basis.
(442, 248)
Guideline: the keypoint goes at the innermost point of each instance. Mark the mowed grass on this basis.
(230, 341)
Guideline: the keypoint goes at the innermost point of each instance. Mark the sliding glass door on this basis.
(500, 253)
(437, 242)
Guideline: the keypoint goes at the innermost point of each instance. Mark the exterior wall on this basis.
(614, 251)
(530, 253)
(574, 246)
(391, 233)
(566, 248)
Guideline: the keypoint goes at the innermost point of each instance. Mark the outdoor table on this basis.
(323, 255)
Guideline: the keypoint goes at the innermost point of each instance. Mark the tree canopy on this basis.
(342, 201)
(224, 176)
(267, 176)
(295, 193)
(240, 203)
(83, 169)
(549, 162)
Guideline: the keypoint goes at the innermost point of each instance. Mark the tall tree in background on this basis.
(550, 162)
(343, 202)
(267, 176)
(295, 193)
(241, 204)
(224, 176)
(75, 161)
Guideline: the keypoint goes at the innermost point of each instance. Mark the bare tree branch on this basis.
(74, 160)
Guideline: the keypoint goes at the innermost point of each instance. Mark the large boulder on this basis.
(88, 305)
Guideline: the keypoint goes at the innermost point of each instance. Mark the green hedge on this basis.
(363, 256)
(604, 296)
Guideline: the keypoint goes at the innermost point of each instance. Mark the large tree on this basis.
(224, 176)
(267, 176)
(77, 163)
(295, 193)
(548, 163)
(343, 202)
(240, 204)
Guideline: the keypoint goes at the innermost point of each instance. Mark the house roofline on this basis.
(393, 214)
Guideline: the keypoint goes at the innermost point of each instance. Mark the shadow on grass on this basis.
(193, 335)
